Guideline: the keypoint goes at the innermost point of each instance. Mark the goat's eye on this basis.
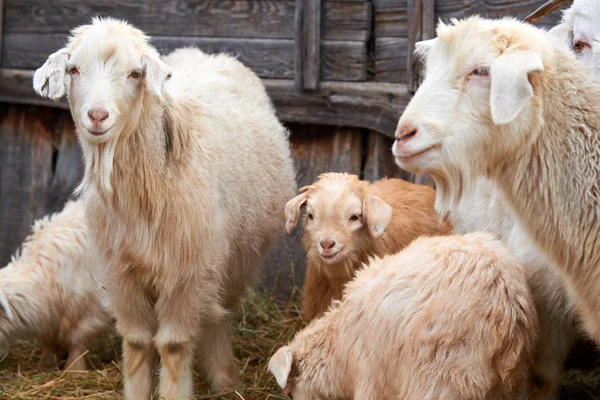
(135, 74)
(579, 46)
(481, 71)
(310, 216)
(73, 71)
(355, 217)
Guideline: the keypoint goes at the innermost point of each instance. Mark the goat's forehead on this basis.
(105, 42)
(334, 198)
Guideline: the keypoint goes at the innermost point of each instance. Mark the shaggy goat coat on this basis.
(50, 291)
(447, 318)
(390, 214)
(187, 173)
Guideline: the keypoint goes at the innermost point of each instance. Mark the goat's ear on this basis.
(292, 210)
(423, 47)
(280, 365)
(377, 214)
(510, 87)
(563, 34)
(156, 72)
(49, 80)
(5, 307)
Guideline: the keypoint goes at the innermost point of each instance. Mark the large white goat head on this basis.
(478, 83)
(579, 31)
(108, 71)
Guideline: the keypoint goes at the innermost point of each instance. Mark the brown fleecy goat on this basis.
(347, 221)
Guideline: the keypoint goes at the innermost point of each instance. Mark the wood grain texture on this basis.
(368, 105)
(315, 149)
(26, 136)
(218, 18)
(391, 18)
(379, 161)
(1, 27)
(307, 44)
(415, 16)
(340, 61)
(446, 9)
(391, 58)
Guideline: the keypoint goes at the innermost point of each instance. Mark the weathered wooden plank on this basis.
(343, 61)
(1, 27)
(379, 161)
(307, 44)
(446, 9)
(218, 18)
(391, 58)
(391, 18)
(25, 170)
(67, 165)
(315, 149)
(415, 16)
(428, 20)
(368, 105)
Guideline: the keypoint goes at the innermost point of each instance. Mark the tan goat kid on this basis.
(447, 318)
(347, 221)
(187, 171)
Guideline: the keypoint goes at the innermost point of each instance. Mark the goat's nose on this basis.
(406, 130)
(97, 115)
(327, 244)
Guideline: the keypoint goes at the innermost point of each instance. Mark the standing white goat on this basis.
(502, 99)
(187, 174)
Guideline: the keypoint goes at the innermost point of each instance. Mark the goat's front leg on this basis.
(181, 316)
(134, 312)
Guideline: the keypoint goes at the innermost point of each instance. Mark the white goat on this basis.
(49, 290)
(579, 29)
(502, 99)
(187, 174)
(447, 318)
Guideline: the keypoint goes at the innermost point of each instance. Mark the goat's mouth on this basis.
(98, 132)
(409, 157)
(329, 255)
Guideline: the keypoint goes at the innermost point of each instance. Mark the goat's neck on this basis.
(555, 179)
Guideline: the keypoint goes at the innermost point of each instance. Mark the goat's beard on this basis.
(451, 185)
(99, 158)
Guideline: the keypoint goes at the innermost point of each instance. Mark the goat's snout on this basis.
(406, 130)
(327, 244)
(97, 116)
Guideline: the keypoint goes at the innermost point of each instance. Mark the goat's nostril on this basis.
(97, 115)
(406, 131)
(327, 244)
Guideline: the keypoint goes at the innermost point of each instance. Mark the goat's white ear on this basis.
(156, 72)
(280, 365)
(423, 47)
(292, 210)
(563, 34)
(377, 214)
(5, 307)
(510, 86)
(49, 79)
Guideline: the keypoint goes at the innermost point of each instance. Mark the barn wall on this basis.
(41, 164)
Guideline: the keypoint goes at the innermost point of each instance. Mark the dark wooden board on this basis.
(368, 105)
(219, 18)
(340, 61)
(26, 136)
(307, 44)
(1, 27)
(379, 161)
(391, 57)
(315, 149)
